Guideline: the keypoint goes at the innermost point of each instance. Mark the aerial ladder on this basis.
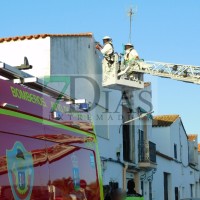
(122, 75)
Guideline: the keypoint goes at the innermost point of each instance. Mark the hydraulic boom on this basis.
(186, 73)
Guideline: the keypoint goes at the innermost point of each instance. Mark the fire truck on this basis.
(48, 149)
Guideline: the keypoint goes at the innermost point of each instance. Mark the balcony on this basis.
(146, 155)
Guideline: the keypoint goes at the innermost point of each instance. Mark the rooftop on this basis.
(40, 36)
(164, 120)
(192, 137)
(198, 147)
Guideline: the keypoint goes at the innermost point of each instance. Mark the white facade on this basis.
(76, 55)
(36, 50)
(69, 56)
(173, 163)
(143, 99)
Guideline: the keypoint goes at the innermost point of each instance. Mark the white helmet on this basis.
(129, 44)
(107, 38)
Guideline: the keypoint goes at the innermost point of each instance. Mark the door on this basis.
(126, 135)
(176, 193)
(150, 190)
(166, 186)
(126, 142)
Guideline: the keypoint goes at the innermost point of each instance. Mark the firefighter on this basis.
(107, 50)
(130, 57)
(130, 53)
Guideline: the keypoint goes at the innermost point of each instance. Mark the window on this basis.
(150, 190)
(175, 151)
(142, 188)
(191, 190)
(176, 193)
(126, 142)
(141, 146)
(166, 186)
(128, 137)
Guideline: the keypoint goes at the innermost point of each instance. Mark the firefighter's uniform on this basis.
(108, 52)
(107, 49)
(130, 54)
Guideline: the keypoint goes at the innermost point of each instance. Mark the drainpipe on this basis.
(124, 175)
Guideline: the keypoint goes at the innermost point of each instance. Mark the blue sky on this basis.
(165, 31)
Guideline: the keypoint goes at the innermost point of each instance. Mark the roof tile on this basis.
(192, 137)
(38, 36)
(164, 120)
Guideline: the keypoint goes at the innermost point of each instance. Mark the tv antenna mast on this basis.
(131, 12)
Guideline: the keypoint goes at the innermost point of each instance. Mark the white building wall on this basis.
(178, 136)
(88, 62)
(161, 136)
(36, 50)
(66, 56)
(78, 56)
(193, 152)
(198, 175)
(158, 179)
(182, 175)
(142, 98)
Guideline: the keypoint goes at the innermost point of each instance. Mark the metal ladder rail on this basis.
(30, 81)
(186, 73)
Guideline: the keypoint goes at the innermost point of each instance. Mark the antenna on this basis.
(131, 12)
